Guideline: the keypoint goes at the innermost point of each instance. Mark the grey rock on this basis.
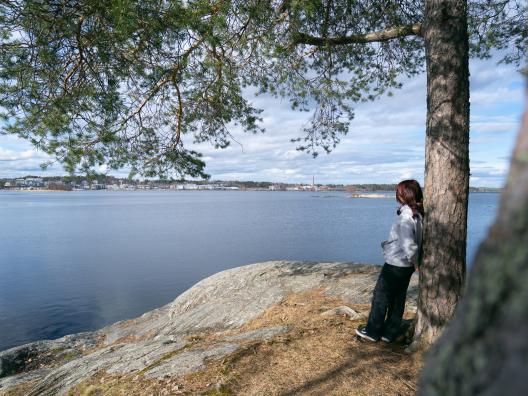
(189, 361)
(17, 379)
(155, 342)
(240, 294)
(344, 310)
(233, 297)
(16, 360)
(115, 359)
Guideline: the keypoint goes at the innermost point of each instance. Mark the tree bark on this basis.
(442, 275)
(485, 349)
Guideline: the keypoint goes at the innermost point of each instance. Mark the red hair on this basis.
(409, 192)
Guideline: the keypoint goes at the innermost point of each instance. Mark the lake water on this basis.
(72, 262)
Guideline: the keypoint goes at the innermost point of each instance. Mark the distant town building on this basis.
(34, 182)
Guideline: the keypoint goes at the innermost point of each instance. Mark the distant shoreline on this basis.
(365, 195)
(105, 182)
(39, 190)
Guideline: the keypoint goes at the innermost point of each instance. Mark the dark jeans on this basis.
(388, 302)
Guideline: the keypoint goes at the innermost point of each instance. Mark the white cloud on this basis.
(492, 96)
(20, 159)
(11, 155)
(495, 124)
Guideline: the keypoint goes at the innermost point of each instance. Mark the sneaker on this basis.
(386, 339)
(362, 332)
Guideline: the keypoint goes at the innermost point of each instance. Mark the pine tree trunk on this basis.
(442, 275)
(485, 349)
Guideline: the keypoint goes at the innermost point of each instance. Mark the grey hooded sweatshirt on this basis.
(405, 239)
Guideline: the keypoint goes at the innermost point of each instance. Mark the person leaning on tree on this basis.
(402, 253)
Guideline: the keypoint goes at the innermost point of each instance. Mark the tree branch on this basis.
(383, 35)
(80, 57)
(180, 115)
(161, 83)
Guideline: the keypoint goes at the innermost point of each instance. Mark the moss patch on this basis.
(165, 357)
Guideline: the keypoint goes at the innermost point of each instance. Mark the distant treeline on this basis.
(371, 187)
(484, 189)
(392, 187)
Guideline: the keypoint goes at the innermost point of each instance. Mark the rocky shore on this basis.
(212, 321)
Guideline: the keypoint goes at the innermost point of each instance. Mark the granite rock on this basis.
(159, 343)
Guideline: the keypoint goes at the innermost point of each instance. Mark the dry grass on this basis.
(319, 356)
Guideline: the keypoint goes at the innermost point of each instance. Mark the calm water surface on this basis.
(72, 262)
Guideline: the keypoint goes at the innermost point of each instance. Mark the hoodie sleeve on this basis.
(407, 238)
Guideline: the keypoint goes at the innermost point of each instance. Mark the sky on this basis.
(385, 142)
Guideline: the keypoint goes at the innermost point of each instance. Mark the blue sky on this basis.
(385, 142)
